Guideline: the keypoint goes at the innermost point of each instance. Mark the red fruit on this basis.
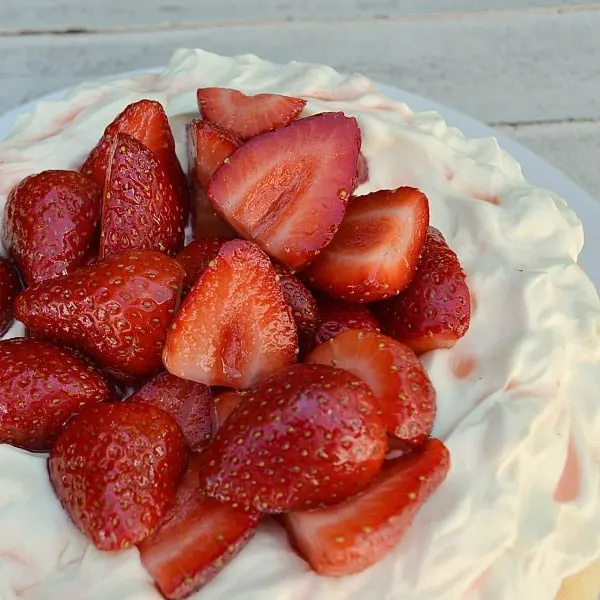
(189, 403)
(197, 538)
(140, 210)
(310, 435)
(117, 311)
(352, 536)
(116, 468)
(247, 116)
(435, 310)
(10, 286)
(195, 257)
(375, 253)
(235, 326)
(223, 405)
(50, 220)
(394, 374)
(287, 190)
(41, 387)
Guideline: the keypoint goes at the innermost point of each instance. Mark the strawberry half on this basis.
(287, 190)
(247, 116)
(235, 326)
(375, 253)
(50, 221)
(116, 311)
(196, 540)
(223, 405)
(352, 536)
(435, 310)
(195, 257)
(116, 468)
(10, 286)
(307, 436)
(394, 374)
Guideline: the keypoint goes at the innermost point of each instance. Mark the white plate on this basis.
(535, 168)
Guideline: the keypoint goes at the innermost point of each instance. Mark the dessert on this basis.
(515, 396)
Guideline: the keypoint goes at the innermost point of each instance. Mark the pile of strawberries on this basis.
(267, 368)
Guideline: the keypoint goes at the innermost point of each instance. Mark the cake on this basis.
(520, 508)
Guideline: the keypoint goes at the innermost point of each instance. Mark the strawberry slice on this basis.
(223, 405)
(287, 190)
(116, 468)
(394, 374)
(375, 253)
(307, 436)
(196, 540)
(435, 310)
(10, 286)
(140, 209)
(195, 257)
(352, 536)
(50, 221)
(189, 403)
(235, 326)
(247, 116)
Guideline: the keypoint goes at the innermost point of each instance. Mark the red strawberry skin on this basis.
(246, 116)
(196, 540)
(223, 405)
(375, 253)
(350, 537)
(394, 374)
(50, 221)
(116, 468)
(435, 310)
(195, 257)
(41, 387)
(234, 327)
(140, 208)
(10, 286)
(307, 436)
(287, 190)
(189, 403)
(117, 311)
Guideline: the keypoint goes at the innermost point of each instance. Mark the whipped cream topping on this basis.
(517, 396)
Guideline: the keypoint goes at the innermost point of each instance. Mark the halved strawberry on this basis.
(394, 374)
(196, 540)
(375, 253)
(223, 405)
(352, 536)
(235, 326)
(435, 310)
(247, 116)
(195, 257)
(10, 286)
(287, 190)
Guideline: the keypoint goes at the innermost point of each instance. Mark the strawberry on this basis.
(223, 405)
(50, 220)
(307, 436)
(195, 257)
(140, 209)
(435, 310)
(116, 468)
(362, 175)
(350, 537)
(117, 311)
(196, 540)
(10, 286)
(41, 387)
(235, 326)
(375, 253)
(247, 116)
(189, 403)
(287, 190)
(395, 376)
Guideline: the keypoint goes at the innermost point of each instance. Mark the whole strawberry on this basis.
(116, 468)
(10, 286)
(195, 257)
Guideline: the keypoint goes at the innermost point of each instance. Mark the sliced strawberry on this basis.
(195, 257)
(247, 116)
(435, 310)
(196, 540)
(50, 221)
(235, 326)
(116, 468)
(223, 405)
(307, 436)
(10, 286)
(394, 374)
(352, 536)
(287, 190)
(117, 311)
(375, 253)
(189, 403)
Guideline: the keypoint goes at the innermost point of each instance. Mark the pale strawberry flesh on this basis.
(10, 286)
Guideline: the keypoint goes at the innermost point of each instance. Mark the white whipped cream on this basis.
(517, 396)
